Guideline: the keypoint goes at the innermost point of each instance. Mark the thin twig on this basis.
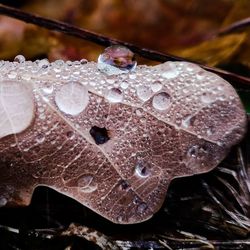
(236, 26)
(107, 41)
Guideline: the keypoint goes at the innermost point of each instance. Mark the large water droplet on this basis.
(156, 86)
(114, 95)
(16, 107)
(19, 59)
(142, 169)
(161, 101)
(72, 98)
(119, 57)
(144, 93)
(86, 185)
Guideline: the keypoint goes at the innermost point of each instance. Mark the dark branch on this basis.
(236, 26)
(107, 41)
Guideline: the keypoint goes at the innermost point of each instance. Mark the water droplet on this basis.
(72, 98)
(139, 112)
(170, 71)
(83, 61)
(114, 95)
(40, 138)
(19, 59)
(48, 88)
(124, 185)
(187, 121)
(3, 201)
(144, 93)
(193, 151)
(208, 97)
(156, 86)
(119, 57)
(120, 218)
(70, 135)
(12, 75)
(142, 169)
(43, 64)
(161, 101)
(142, 208)
(86, 185)
(124, 85)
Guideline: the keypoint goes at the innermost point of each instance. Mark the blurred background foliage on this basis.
(184, 28)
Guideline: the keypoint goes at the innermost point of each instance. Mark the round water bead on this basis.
(119, 57)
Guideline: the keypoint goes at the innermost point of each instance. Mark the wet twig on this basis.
(107, 41)
(234, 27)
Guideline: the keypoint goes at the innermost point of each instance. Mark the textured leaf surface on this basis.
(162, 122)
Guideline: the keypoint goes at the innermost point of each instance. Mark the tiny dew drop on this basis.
(142, 208)
(156, 86)
(114, 95)
(161, 101)
(193, 151)
(19, 59)
(124, 85)
(142, 169)
(188, 121)
(40, 138)
(3, 201)
(43, 64)
(70, 134)
(48, 88)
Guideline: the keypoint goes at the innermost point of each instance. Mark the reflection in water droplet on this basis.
(208, 97)
(19, 59)
(161, 101)
(144, 93)
(114, 95)
(48, 88)
(142, 169)
(72, 98)
(156, 86)
(86, 185)
(142, 208)
(119, 57)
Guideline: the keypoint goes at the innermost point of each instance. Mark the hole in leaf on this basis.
(100, 135)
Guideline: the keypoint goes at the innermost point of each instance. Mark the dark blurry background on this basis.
(173, 26)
